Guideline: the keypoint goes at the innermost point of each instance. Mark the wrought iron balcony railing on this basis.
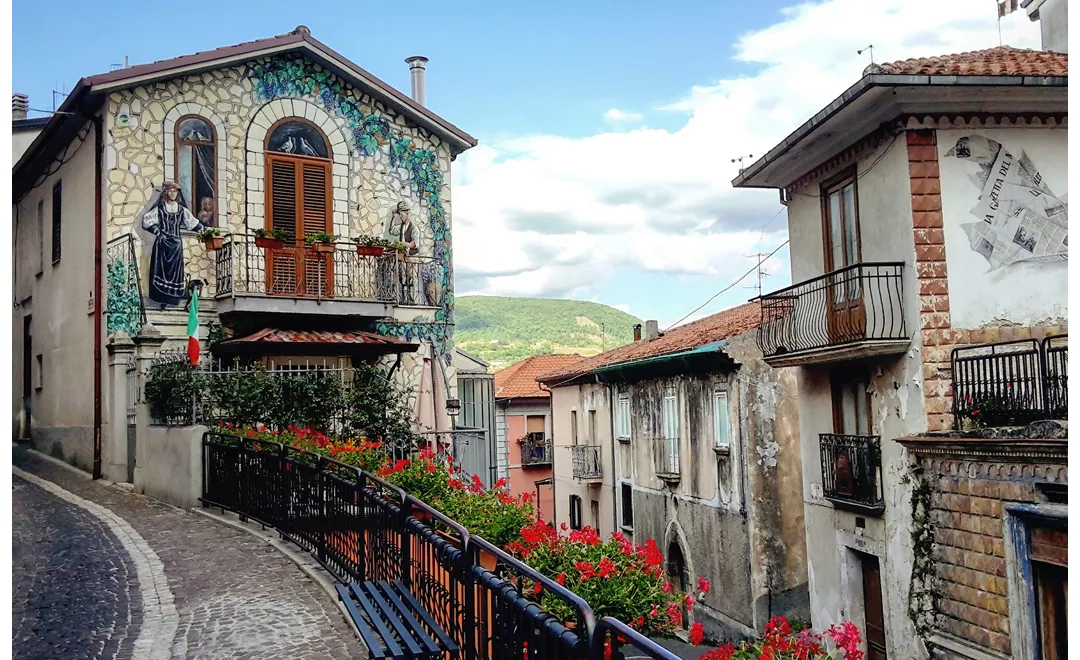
(1014, 382)
(666, 458)
(851, 471)
(586, 459)
(535, 450)
(247, 265)
(854, 304)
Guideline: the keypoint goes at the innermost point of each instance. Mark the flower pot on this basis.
(400, 255)
(370, 250)
(324, 248)
(269, 243)
(214, 242)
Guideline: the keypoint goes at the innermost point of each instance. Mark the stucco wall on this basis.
(1017, 272)
(582, 398)
(58, 300)
(168, 465)
(523, 479)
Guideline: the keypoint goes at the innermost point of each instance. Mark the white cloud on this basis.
(622, 307)
(549, 215)
(615, 116)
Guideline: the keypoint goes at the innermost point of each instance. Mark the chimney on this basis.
(20, 103)
(417, 67)
(637, 332)
(652, 330)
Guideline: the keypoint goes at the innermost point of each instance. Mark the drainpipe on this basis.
(614, 482)
(98, 230)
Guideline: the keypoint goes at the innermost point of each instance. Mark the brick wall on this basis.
(939, 337)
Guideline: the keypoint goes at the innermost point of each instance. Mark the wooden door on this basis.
(298, 202)
(1050, 564)
(846, 314)
(875, 612)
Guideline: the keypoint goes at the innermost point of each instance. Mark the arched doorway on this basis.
(679, 577)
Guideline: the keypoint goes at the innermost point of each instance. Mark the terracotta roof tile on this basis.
(722, 325)
(518, 381)
(999, 61)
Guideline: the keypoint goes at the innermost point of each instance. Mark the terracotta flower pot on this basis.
(324, 248)
(214, 242)
(268, 243)
(370, 250)
(400, 255)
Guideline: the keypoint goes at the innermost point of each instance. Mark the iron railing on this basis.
(851, 470)
(666, 461)
(124, 309)
(362, 528)
(586, 460)
(857, 303)
(1015, 382)
(246, 265)
(535, 450)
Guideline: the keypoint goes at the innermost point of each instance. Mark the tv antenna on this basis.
(868, 48)
(740, 160)
(761, 274)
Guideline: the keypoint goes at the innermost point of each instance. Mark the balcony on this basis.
(253, 276)
(535, 450)
(666, 459)
(586, 459)
(1011, 383)
(851, 472)
(854, 312)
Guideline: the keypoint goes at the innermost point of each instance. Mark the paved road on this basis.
(102, 573)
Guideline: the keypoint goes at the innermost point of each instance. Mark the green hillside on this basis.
(510, 329)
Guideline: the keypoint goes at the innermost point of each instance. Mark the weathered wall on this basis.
(1006, 238)
(582, 398)
(58, 301)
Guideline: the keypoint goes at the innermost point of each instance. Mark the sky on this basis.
(607, 130)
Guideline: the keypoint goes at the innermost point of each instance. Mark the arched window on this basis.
(297, 137)
(196, 171)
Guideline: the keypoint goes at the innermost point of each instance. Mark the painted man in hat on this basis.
(402, 229)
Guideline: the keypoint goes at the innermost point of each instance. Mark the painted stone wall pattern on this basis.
(1005, 209)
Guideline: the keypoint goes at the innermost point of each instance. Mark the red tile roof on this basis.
(518, 381)
(999, 61)
(722, 325)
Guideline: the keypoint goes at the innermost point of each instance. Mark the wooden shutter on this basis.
(299, 203)
(315, 218)
(282, 206)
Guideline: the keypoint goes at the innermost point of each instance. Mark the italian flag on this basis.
(193, 328)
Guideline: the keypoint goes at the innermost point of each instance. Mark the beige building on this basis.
(928, 219)
(690, 439)
(274, 143)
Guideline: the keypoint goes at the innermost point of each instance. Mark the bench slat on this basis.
(418, 630)
(444, 639)
(377, 650)
(393, 617)
(376, 620)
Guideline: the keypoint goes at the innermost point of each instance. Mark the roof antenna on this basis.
(868, 48)
(740, 159)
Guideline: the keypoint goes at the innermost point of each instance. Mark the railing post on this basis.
(406, 542)
(321, 522)
(468, 582)
(361, 485)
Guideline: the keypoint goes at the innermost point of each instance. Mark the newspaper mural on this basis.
(1020, 218)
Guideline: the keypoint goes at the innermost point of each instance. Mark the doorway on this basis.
(846, 313)
(873, 607)
(27, 378)
(677, 575)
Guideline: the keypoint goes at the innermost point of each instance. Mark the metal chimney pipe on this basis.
(20, 104)
(417, 67)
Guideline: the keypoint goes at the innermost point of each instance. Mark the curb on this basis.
(307, 565)
(67, 466)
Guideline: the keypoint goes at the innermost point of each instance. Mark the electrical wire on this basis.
(728, 287)
(864, 172)
(60, 160)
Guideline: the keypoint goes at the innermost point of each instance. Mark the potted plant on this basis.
(493, 514)
(211, 238)
(399, 249)
(270, 239)
(370, 246)
(322, 242)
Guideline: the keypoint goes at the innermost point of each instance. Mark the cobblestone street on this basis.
(99, 572)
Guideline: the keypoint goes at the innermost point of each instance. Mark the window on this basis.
(573, 427)
(670, 459)
(627, 506)
(293, 136)
(721, 421)
(575, 512)
(40, 229)
(39, 372)
(623, 417)
(594, 508)
(851, 402)
(592, 427)
(57, 199)
(841, 223)
(196, 167)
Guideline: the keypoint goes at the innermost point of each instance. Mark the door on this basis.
(846, 315)
(875, 613)
(1050, 566)
(298, 202)
(851, 416)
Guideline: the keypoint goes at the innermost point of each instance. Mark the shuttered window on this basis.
(721, 421)
(298, 203)
(670, 460)
(624, 417)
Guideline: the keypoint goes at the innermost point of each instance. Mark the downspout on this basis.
(98, 231)
(614, 482)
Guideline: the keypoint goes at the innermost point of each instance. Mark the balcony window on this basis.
(196, 165)
(851, 472)
(535, 450)
(668, 456)
(627, 497)
(586, 461)
(721, 420)
(622, 418)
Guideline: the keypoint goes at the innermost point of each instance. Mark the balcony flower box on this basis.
(324, 248)
(322, 242)
(370, 250)
(268, 243)
(212, 239)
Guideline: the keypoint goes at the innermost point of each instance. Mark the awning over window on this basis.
(273, 341)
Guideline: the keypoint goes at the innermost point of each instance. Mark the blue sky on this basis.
(606, 128)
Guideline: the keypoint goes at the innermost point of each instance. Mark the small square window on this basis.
(627, 506)
(575, 512)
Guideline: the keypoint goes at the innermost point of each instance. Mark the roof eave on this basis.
(749, 178)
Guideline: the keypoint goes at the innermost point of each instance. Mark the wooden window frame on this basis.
(844, 376)
(829, 186)
(626, 500)
(193, 204)
(623, 410)
(575, 512)
(57, 221)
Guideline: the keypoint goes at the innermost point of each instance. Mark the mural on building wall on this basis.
(1019, 219)
(166, 218)
(195, 165)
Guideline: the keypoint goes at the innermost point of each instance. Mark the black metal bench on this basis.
(389, 620)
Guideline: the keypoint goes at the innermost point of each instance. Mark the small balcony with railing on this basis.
(535, 450)
(851, 472)
(666, 461)
(586, 462)
(854, 312)
(255, 274)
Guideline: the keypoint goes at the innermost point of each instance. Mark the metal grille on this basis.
(856, 303)
(1015, 382)
(124, 308)
(851, 469)
(535, 449)
(586, 460)
(132, 388)
(666, 456)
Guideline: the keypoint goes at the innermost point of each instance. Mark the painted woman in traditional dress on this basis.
(165, 220)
